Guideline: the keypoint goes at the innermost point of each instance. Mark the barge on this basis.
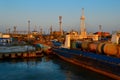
(105, 64)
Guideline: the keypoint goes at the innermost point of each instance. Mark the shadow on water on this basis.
(74, 72)
(45, 68)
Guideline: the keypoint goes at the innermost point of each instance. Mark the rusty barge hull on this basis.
(104, 65)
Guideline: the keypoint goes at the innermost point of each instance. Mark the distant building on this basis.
(35, 32)
(116, 37)
(103, 34)
(57, 33)
(5, 39)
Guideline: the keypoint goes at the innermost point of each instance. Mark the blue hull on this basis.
(102, 64)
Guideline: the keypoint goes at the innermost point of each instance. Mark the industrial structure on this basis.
(60, 23)
(28, 26)
(51, 31)
(83, 33)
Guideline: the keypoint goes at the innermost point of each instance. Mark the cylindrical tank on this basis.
(84, 45)
(110, 49)
(92, 46)
(78, 44)
(118, 55)
(100, 47)
(73, 45)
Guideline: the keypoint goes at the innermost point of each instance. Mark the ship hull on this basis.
(104, 67)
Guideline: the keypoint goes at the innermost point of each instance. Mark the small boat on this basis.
(42, 48)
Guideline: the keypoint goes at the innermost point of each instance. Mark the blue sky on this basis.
(44, 13)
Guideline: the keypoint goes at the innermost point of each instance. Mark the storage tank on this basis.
(100, 47)
(84, 45)
(73, 45)
(78, 44)
(93, 46)
(118, 54)
(110, 49)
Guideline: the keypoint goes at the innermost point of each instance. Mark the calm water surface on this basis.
(45, 68)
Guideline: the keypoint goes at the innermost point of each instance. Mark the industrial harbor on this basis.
(98, 52)
(69, 49)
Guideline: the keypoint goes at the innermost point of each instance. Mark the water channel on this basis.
(45, 68)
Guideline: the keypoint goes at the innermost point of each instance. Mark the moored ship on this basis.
(102, 57)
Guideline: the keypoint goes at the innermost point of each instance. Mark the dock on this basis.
(19, 52)
(20, 55)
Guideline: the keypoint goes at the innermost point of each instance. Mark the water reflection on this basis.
(46, 68)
